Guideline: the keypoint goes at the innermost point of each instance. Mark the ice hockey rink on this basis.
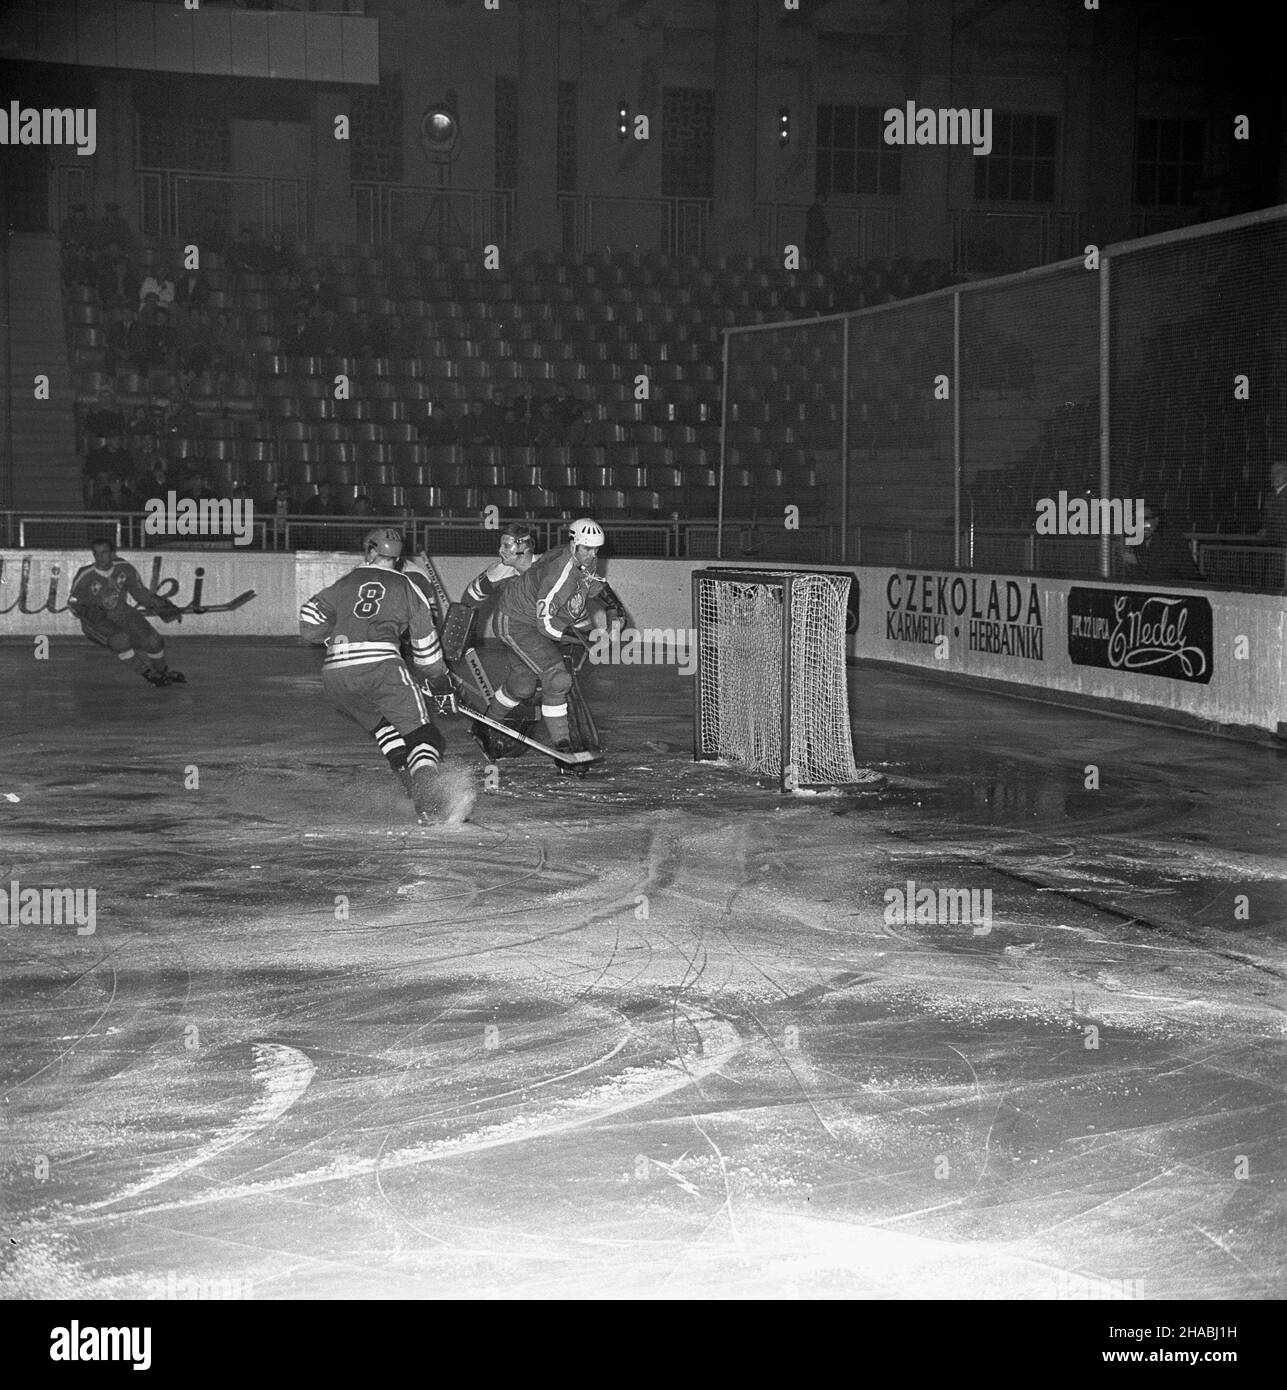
(646, 1034)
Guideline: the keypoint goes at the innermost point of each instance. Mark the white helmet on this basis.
(587, 532)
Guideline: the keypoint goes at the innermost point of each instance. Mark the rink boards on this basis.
(1216, 656)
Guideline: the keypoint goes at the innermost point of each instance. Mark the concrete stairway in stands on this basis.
(47, 471)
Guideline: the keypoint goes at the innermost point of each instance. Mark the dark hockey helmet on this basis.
(384, 540)
(516, 541)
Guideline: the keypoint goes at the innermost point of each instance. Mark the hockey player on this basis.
(517, 555)
(99, 597)
(361, 619)
(547, 604)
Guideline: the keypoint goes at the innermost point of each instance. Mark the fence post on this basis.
(956, 431)
(1105, 468)
(844, 439)
(723, 449)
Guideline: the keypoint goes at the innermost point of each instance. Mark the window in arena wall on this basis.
(377, 131)
(507, 132)
(1023, 163)
(851, 154)
(566, 131)
(687, 142)
(1169, 160)
(178, 133)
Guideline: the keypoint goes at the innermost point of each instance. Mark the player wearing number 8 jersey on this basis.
(362, 618)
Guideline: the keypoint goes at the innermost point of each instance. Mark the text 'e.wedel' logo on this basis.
(1153, 634)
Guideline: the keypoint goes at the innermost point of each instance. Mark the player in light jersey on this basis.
(361, 618)
(536, 610)
(99, 597)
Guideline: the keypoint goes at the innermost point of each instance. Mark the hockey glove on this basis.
(442, 691)
(167, 611)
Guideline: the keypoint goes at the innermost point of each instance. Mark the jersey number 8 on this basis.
(368, 604)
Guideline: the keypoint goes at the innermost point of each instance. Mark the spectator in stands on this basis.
(494, 411)
(278, 258)
(474, 426)
(115, 278)
(361, 505)
(180, 416)
(566, 406)
(154, 481)
(158, 282)
(1161, 557)
(143, 341)
(288, 297)
(147, 459)
(323, 502)
(581, 431)
(301, 339)
(511, 433)
(275, 511)
(245, 254)
(817, 234)
(194, 340)
(370, 337)
(117, 339)
(229, 349)
(317, 291)
(112, 229)
(546, 431)
(105, 416)
(195, 484)
(192, 290)
(435, 427)
(76, 232)
(100, 463)
(114, 494)
(157, 343)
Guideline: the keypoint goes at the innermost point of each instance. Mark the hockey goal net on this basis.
(770, 693)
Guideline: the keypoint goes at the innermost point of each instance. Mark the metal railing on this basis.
(994, 242)
(592, 222)
(864, 233)
(461, 533)
(185, 202)
(391, 212)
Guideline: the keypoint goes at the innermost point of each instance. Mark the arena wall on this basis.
(1216, 657)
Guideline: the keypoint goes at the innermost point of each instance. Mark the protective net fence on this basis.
(949, 430)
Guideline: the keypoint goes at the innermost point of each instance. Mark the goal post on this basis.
(770, 694)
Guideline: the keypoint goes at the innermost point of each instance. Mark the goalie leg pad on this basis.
(458, 630)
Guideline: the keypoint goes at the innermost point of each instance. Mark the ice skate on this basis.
(172, 677)
(156, 678)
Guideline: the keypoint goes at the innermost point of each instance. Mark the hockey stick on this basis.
(228, 607)
(568, 759)
(176, 613)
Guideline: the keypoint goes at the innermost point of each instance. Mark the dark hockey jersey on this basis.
(363, 616)
(95, 592)
(552, 595)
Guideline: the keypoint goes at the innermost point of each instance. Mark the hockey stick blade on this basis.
(220, 607)
(570, 759)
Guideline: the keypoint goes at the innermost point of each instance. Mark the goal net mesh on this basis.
(744, 677)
